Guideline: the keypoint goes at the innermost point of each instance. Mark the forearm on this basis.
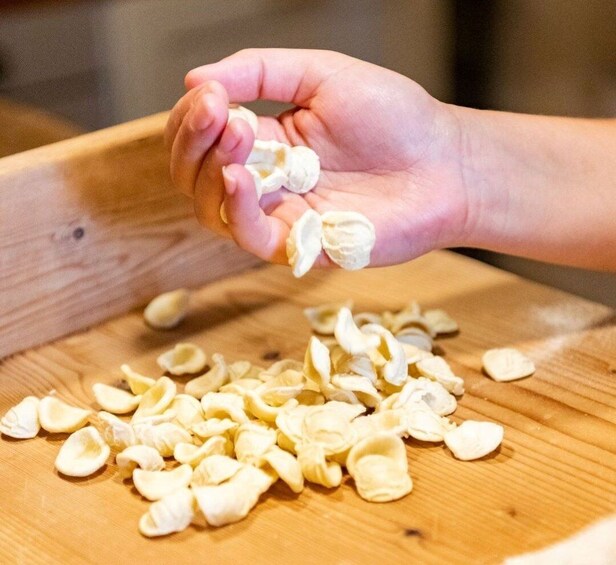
(540, 187)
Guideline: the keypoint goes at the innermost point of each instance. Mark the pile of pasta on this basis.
(367, 381)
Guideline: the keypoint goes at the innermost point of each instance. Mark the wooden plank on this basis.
(91, 227)
(554, 473)
(26, 127)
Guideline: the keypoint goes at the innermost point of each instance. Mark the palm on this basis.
(369, 160)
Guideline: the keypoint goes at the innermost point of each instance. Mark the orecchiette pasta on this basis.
(238, 428)
(83, 453)
(22, 421)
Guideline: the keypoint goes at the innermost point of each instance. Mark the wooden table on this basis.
(24, 127)
(554, 473)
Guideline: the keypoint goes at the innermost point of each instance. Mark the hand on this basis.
(387, 149)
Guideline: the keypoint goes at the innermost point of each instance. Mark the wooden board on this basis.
(25, 127)
(91, 227)
(554, 473)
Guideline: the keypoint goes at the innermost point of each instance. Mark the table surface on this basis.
(554, 473)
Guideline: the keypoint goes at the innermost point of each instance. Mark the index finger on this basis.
(282, 75)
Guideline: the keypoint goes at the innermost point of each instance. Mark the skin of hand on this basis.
(384, 144)
(427, 174)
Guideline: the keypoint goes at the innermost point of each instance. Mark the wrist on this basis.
(536, 186)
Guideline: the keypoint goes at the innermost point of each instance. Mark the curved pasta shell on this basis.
(172, 513)
(154, 485)
(115, 400)
(304, 242)
(167, 310)
(437, 369)
(322, 319)
(156, 399)
(311, 457)
(330, 428)
(349, 336)
(224, 405)
(348, 239)
(193, 455)
(162, 437)
(142, 456)
(473, 440)
(286, 467)
(242, 113)
(305, 170)
(379, 467)
(232, 500)
(83, 453)
(56, 416)
(213, 427)
(137, 382)
(187, 410)
(183, 359)
(507, 364)
(433, 393)
(252, 440)
(214, 470)
(117, 433)
(22, 421)
(317, 363)
(211, 381)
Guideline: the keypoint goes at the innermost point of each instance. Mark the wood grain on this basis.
(554, 473)
(91, 227)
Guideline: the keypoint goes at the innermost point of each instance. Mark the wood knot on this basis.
(413, 533)
(271, 356)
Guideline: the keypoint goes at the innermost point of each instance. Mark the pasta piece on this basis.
(433, 393)
(138, 383)
(193, 455)
(155, 485)
(349, 336)
(322, 318)
(315, 468)
(473, 440)
(507, 364)
(142, 456)
(115, 400)
(242, 113)
(214, 470)
(379, 467)
(232, 500)
(22, 421)
(56, 416)
(156, 399)
(286, 467)
(167, 310)
(437, 369)
(162, 437)
(440, 321)
(211, 381)
(187, 410)
(252, 440)
(223, 405)
(304, 242)
(183, 359)
(82, 454)
(172, 513)
(348, 239)
(117, 433)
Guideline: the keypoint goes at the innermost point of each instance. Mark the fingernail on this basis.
(202, 114)
(230, 182)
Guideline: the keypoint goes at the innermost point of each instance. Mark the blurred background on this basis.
(69, 66)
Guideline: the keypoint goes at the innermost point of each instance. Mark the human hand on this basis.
(387, 148)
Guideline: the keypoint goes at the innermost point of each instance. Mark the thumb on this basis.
(282, 75)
